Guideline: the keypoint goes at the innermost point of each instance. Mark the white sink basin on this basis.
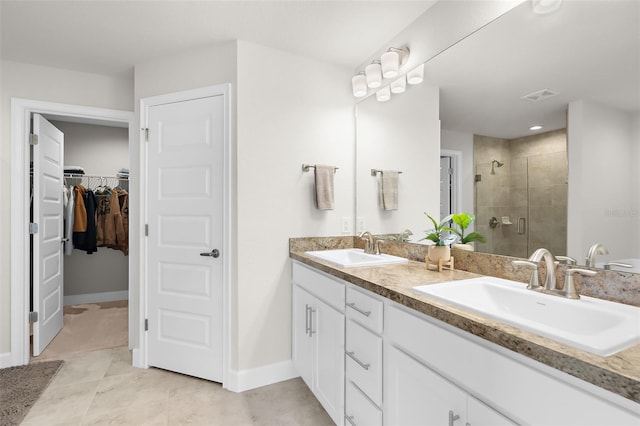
(594, 325)
(347, 258)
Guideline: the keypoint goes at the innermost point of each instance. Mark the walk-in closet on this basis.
(94, 258)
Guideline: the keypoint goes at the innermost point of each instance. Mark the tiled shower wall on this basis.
(531, 185)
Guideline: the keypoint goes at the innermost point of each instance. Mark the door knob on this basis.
(214, 253)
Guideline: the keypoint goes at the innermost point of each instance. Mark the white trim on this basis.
(21, 111)
(5, 360)
(141, 357)
(240, 381)
(456, 157)
(106, 296)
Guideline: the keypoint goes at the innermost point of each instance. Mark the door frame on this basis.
(21, 111)
(223, 90)
(456, 164)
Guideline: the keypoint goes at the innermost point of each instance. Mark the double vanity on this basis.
(394, 343)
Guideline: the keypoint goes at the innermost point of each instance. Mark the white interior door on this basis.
(48, 205)
(185, 217)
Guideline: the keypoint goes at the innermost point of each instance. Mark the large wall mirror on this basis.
(566, 186)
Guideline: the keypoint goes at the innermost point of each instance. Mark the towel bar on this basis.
(374, 172)
(306, 167)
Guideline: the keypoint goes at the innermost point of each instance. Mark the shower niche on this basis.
(520, 194)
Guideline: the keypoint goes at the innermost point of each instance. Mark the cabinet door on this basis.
(415, 395)
(483, 415)
(303, 341)
(327, 326)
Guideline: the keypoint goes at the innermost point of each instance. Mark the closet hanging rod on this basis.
(78, 176)
(374, 172)
(306, 167)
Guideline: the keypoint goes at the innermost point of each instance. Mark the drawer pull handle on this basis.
(350, 420)
(353, 306)
(360, 363)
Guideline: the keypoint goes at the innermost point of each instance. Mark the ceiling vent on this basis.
(540, 95)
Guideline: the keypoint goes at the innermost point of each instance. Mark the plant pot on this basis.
(467, 247)
(435, 253)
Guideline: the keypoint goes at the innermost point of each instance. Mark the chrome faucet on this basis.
(550, 263)
(404, 235)
(550, 286)
(369, 244)
(597, 248)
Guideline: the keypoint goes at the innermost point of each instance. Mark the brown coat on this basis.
(79, 210)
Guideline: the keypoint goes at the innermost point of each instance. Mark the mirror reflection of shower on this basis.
(495, 163)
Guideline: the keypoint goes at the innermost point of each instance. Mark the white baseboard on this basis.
(107, 296)
(6, 360)
(240, 381)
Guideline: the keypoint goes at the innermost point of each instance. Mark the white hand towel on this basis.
(389, 190)
(324, 187)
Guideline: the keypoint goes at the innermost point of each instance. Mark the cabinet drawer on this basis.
(364, 360)
(365, 309)
(322, 286)
(359, 411)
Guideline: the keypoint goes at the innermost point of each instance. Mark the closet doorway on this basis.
(80, 120)
(93, 264)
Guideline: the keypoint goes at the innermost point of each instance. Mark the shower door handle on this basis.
(522, 225)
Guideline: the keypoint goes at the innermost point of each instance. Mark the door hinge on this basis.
(33, 317)
(33, 139)
(146, 229)
(450, 172)
(146, 133)
(33, 228)
(146, 324)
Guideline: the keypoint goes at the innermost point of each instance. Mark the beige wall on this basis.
(603, 182)
(291, 110)
(52, 85)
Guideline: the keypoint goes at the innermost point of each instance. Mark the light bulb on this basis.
(374, 75)
(416, 75)
(384, 94)
(359, 85)
(399, 85)
(390, 64)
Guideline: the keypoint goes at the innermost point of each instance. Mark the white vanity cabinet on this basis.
(432, 368)
(318, 336)
(363, 362)
(415, 394)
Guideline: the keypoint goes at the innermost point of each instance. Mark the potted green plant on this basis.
(442, 236)
(463, 220)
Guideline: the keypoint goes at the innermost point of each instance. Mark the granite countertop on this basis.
(618, 373)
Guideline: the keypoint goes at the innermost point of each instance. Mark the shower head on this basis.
(495, 163)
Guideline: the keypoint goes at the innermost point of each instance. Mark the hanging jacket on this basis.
(86, 240)
(80, 211)
(107, 208)
(123, 198)
(69, 211)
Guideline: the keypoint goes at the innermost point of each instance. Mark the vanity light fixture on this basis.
(384, 94)
(536, 127)
(373, 73)
(359, 85)
(392, 60)
(416, 75)
(543, 7)
(399, 85)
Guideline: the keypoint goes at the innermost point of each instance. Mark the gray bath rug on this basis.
(20, 388)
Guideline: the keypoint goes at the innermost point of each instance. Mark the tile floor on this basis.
(102, 388)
